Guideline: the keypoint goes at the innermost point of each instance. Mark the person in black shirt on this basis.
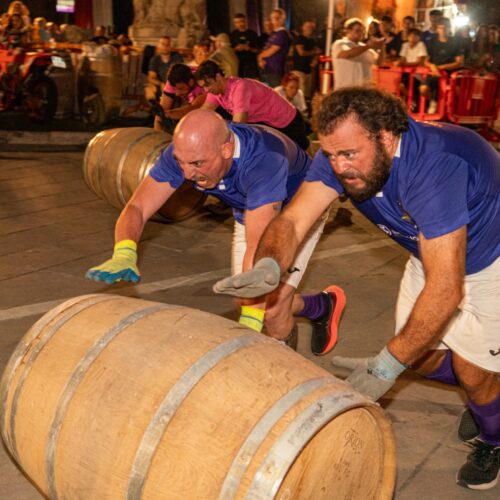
(391, 41)
(435, 16)
(245, 43)
(444, 55)
(305, 52)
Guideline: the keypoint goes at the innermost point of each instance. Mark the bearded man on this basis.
(434, 189)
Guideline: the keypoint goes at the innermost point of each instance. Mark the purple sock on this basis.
(444, 373)
(487, 418)
(314, 307)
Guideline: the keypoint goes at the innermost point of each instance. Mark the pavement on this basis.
(53, 229)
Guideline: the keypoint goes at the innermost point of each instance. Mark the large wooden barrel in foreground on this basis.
(116, 161)
(108, 397)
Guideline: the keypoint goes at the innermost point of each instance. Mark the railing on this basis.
(464, 97)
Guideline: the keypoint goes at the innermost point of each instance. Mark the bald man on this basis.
(255, 170)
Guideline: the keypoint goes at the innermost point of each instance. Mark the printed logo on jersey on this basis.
(396, 234)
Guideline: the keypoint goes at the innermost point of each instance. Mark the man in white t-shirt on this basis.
(353, 59)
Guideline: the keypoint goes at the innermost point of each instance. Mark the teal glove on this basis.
(372, 376)
(122, 266)
(261, 280)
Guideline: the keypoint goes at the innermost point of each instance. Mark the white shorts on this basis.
(474, 330)
(302, 257)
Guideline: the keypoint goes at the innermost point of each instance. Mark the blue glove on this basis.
(372, 376)
(121, 267)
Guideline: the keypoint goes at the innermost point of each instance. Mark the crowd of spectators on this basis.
(285, 60)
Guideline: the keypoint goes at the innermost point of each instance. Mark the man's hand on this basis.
(372, 377)
(261, 280)
(121, 267)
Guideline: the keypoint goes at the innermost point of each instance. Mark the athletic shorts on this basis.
(474, 330)
(304, 252)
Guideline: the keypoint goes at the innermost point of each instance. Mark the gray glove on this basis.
(372, 377)
(261, 280)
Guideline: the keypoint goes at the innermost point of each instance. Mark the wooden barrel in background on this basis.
(116, 161)
(111, 397)
(106, 76)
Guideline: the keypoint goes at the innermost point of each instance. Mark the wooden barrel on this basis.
(109, 397)
(106, 76)
(116, 161)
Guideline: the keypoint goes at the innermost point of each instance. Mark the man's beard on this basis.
(375, 181)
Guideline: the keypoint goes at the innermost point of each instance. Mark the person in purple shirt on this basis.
(272, 59)
(255, 170)
(435, 189)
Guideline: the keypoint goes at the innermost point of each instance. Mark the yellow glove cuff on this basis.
(131, 244)
(252, 317)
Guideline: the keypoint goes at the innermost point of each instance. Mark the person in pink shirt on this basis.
(250, 101)
(181, 95)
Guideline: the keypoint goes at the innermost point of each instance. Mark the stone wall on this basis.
(183, 20)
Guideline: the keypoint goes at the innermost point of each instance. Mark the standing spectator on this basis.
(408, 24)
(289, 90)
(435, 16)
(224, 55)
(40, 32)
(391, 41)
(250, 101)
(158, 67)
(20, 8)
(180, 96)
(16, 34)
(463, 41)
(267, 29)
(305, 54)
(245, 43)
(373, 31)
(353, 59)
(443, 56)
(272, 59)
(100, 36)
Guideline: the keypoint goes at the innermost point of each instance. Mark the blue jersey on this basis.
(445, 177)
(267, 167)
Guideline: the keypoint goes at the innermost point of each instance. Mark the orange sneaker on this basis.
(325, 328)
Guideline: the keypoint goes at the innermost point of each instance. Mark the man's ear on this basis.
(388, 139)
(227, 150)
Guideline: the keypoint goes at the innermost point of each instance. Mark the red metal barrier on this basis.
(473, 98)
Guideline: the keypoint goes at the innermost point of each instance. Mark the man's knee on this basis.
(481, 386)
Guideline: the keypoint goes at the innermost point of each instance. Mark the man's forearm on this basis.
(279, 242)
(431, 312)
(129, 225)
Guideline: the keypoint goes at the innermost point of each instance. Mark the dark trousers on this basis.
(297, 131)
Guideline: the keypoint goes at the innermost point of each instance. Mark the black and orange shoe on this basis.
(325, 328)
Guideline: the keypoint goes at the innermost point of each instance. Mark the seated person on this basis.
(413, 53)
(289, 89)
(443, 55)
(181, 95)
(201, 52)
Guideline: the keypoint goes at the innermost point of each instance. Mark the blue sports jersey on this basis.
(446, 176)
(267, 167)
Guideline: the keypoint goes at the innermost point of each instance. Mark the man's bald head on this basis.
(201, 128)
(203, 147)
